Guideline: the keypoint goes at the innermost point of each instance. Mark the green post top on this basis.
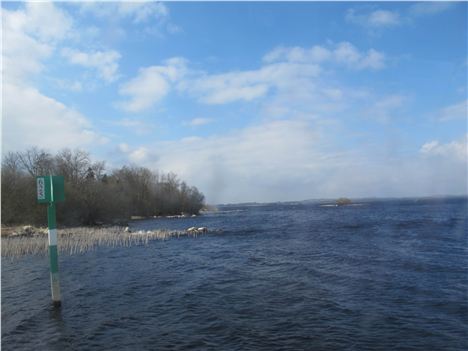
(50, 189)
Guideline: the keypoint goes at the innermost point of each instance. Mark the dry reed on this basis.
(79, 240)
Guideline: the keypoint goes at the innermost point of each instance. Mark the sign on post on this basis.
(51, 189)
(45, 185)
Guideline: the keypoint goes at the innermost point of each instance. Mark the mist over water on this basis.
(297, 276)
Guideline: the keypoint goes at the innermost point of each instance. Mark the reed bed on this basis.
(79, 240)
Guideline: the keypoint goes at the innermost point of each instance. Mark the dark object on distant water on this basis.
(343, 201)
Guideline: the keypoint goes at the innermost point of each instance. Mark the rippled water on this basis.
(379, 276)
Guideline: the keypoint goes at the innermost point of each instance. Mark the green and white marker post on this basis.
(50, 189)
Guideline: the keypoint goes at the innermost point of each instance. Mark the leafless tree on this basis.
(36, 161)
(92, 195)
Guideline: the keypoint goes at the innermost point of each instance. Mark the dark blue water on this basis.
(380, 276)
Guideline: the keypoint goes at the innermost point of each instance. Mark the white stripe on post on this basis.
(52, 237)
(55, 288)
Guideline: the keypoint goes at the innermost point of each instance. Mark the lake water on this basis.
(297, 276)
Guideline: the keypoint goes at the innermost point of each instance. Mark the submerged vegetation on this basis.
(82, 239)
(92, 195)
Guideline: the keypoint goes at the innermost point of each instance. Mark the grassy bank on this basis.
(78, 240)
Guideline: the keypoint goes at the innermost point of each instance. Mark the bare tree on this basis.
(73, 165)
(36, 162)
(92, 196)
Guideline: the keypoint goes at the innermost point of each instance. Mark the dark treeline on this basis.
(91, 195)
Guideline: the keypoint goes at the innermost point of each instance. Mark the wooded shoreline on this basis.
(94, 194)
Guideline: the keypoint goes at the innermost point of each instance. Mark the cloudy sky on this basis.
(247, 101)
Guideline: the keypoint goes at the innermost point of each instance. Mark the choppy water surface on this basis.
(383, 275)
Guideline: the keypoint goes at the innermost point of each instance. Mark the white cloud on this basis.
(285, 69)
(374, 19)
(151, 85)
(457, 149)
(200, 121)
(348, 54)
(137, 156)
(457, 111)
(149, 17)
(342, 53)
(333, 93)
(173, 28)
(74, 86)
(429, 147)
(137, 11)
(142, 11)
(384, 18)
(294, 159)
(147, 88)
(316, 54)
(32, 119)
(427, 8)
(384, 109)
(264, 155)
(30, 35)
(379, 19)
(44, 20)
(105, 62)
(138, 126)
(293, 92)
(124, 147)
(22, 55)
(295, 95)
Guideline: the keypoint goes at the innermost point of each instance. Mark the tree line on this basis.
(91, 194)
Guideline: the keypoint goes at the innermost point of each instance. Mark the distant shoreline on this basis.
(353, 199)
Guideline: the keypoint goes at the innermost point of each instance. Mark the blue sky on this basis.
(247, 101)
